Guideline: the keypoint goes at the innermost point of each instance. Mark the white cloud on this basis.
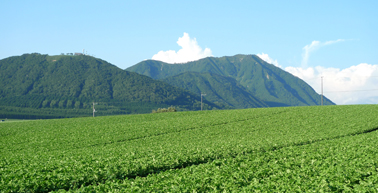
(314, 46)
(353, 85)
(268, 59)
(190, 51)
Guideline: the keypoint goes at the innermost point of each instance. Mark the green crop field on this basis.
(291, 149)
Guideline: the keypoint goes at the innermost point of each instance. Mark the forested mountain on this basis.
(42, 86)
(218, 89)
(64, 86)
(274, 86)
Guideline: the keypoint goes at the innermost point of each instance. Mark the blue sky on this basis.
(338, 34)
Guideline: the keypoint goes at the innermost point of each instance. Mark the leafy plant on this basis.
(296, 149)
(163, 110)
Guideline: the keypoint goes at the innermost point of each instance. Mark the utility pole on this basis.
(201, 99)
(322, 90)
(94, 110)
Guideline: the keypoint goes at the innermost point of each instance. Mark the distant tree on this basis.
(69, 104)
(86, 105)
(163, 110)
(53, 103)
(62, 103)
(45, 103)
(77, 104)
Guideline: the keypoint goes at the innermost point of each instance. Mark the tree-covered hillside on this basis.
(69, 84)
(218, 89)
(265, 81)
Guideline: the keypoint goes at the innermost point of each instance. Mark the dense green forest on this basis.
(272, 85)
(218, 89)
(41, 86)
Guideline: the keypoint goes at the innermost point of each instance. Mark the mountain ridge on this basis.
(75, 82)
(218, 89)
(265, 81)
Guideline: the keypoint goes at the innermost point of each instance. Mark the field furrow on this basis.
(129, 152)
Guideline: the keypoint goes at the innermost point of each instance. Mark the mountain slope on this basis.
(218, 89)
(271, 84)
(74, 82)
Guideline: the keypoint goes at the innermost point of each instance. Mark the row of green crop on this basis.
(102, 109)
(73, 153)
(347, 164)
(41, 113)
(67, 134)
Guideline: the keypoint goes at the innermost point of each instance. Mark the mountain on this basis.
(274, 86)
(218, 89)
(66, 86)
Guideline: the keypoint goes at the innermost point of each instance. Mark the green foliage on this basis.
(53, 103)
(69, 104)
(296, 149)
(45, 103)
(274, 86)
(225, 91)
(74, 82)
(164, 110)
(77, 104)
(62, 103)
